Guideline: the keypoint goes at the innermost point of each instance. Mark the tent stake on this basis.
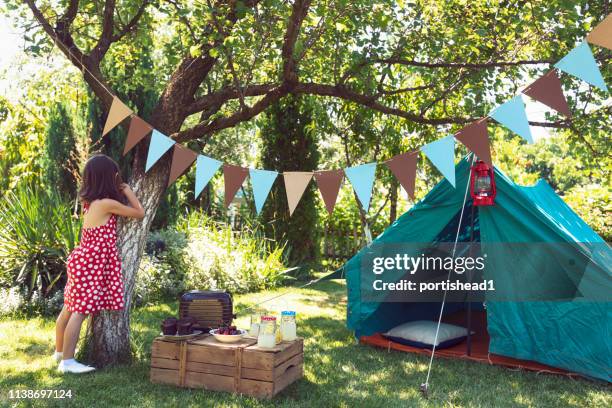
(424, 389)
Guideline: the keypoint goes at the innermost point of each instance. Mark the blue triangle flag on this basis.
(206, 168)
(512, 115)
(262, 181)
(442, 155)
(159, 145)
(362, 179)
(580, 63)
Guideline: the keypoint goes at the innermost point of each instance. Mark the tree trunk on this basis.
(110, 340)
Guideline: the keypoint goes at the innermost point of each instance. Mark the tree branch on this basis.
(477, 65)
(186, 79)
(132, 23)
(66, 44)
(183, 19)
(230, 92)
(343, 92)
(230, 59)
(453, 65)
(65, 21)
(108, 25)
(289, 78)
(249, 112)
(298, 13)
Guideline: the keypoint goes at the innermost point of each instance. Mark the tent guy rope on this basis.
(425, 385)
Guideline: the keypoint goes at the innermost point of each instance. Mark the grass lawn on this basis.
(338, 372)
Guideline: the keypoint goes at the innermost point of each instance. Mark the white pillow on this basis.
(424, 331)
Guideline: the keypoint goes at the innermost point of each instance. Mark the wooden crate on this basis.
(239, 367)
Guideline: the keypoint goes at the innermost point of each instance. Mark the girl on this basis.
(94, 270)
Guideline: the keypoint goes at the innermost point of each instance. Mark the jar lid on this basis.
(288, 313)
(268, 318)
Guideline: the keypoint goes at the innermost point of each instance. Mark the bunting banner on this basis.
(234, 177)
(139, 129)
(362, 180)
(182, 158)
(475, 137)
(602, 33)
(159, 145)
(295, 185)
(404, 168)
(581, 64)
(442, 154)
(117, 113)
(206, 168)
(261, 181)
(329, 183)
(512, 115)
(547, 90)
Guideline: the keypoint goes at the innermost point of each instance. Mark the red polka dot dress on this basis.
(94, 271)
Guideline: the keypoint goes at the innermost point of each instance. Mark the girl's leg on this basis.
(71, 337)
(60, 327)
(71, 334)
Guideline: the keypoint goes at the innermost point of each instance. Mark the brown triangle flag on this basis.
(118, 112)
(295, 185)
(547, 90)
(138, 130)
(602, 33)
(329, 183)
(404, 167)
(182, 158)
(476, 138)
(234, 177)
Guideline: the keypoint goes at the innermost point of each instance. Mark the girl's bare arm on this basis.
(133, 210)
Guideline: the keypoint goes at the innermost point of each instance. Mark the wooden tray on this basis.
(178, 337)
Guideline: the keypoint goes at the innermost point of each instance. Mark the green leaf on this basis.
(195, 51)
(341, 27)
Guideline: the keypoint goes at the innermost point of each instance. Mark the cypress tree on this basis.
(289, 144)
(60, 162)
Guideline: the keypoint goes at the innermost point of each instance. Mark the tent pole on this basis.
(469, 272)
(425, 386)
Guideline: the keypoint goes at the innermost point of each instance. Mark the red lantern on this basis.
(482, 184)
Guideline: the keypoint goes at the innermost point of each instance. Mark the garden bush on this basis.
(199, 253)
(162, 269)
(37, 232)
(237, 261)
(15, 301)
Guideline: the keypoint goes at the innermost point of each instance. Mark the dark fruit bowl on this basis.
(228, 338)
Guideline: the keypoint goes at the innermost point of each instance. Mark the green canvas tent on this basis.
(573, 333)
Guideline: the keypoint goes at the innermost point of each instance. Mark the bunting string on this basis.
(547, 89)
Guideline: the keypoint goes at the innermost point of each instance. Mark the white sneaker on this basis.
(73, 366)
(58, 356)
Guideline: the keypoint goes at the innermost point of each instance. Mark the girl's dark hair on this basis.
(101, 179)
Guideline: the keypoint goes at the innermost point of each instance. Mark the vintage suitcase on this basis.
(210, 308)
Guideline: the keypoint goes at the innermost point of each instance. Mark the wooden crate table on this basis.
(240, 367)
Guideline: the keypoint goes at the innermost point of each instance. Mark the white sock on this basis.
(69, 361)
(58, 356)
